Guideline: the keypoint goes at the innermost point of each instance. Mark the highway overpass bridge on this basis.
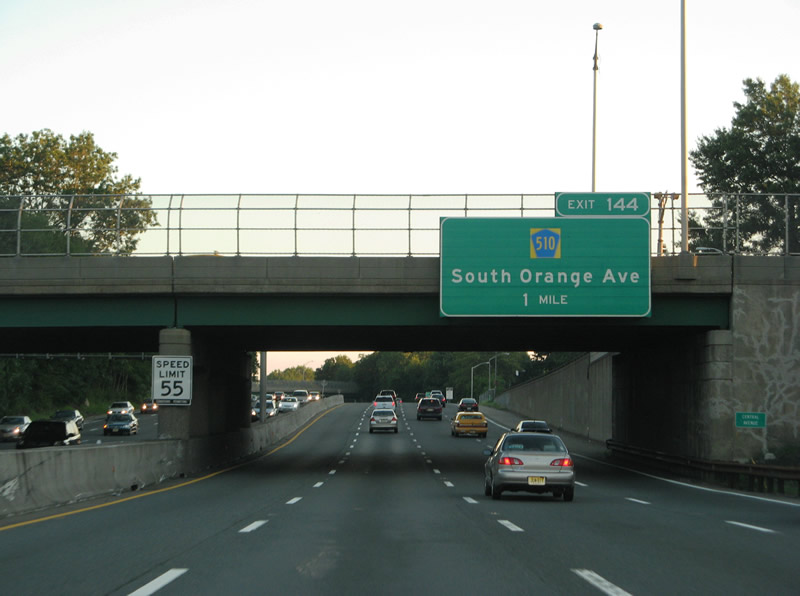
(723, 333)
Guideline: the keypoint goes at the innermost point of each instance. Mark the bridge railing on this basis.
(350, 225)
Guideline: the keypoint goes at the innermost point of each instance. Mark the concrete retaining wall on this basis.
(575, 398)
(33, 479)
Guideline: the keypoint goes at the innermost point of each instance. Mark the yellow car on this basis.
(469, 423)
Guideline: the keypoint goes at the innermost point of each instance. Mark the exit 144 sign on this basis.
(554, 267)
(597, 204)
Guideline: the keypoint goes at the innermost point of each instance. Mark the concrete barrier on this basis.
(32, 479)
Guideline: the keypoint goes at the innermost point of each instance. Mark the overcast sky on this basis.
(386, 96)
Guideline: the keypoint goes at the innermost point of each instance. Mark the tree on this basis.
(759, 154)
(48, 174)
(294, 373)
(339, 368)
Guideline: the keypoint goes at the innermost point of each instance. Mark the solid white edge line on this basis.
(684, 484)
(159, 582)
(509, 525)
(749, 527)
(254, 526)
(600, 582)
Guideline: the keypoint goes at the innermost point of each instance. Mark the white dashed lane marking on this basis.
(639, 501)
(749, 527)
(600, 583)
(509, 525)
(254, 526)
(159, 582)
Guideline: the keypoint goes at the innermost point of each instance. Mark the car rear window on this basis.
(429, 402)
(533, 443)
(470, 417)
(383, 412)
(534, 425)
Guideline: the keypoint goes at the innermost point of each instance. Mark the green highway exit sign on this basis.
(554, 267)
(600, 204)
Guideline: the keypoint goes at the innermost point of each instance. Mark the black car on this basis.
(47, 433)
(533, 426)
(73, 415)
(468, 405)
(429, 407)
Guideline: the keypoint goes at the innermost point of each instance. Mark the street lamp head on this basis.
(597, 26)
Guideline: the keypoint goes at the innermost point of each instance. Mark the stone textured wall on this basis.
(766, 367)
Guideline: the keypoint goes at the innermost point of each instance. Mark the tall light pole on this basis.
(303, 369)
(471, 377)
(494, 393)
(596, 27)
(684, 149)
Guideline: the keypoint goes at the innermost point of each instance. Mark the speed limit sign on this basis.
(172, 380)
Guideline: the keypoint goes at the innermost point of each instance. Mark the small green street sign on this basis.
(554, 267)
(751, 420)
(602, 204)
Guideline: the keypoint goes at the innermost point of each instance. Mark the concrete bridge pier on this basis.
(220, 386)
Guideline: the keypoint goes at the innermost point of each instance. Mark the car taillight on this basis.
(394, 418)
(564, 462)
(372, 419)
(509, 461)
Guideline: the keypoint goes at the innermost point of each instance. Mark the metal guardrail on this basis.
(342, 225)
(751, 477)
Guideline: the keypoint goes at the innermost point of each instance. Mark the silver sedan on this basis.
(383, 419)
(530, 462)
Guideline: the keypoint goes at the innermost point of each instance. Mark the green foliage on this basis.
(39, 386)
(339, 368)
(411, 372)
(759, 153)
(54, 174)
(295, 373)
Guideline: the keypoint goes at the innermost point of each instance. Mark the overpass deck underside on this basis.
(120, 304)
(409, 323)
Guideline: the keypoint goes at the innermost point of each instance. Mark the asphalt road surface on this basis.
(337, 510)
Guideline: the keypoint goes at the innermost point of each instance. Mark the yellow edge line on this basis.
(161, 490)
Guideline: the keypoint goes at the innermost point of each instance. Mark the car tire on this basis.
(487, 488)
(418, 418)
(496, 492)
(569, 493)
(395, 431)
(370, 431)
